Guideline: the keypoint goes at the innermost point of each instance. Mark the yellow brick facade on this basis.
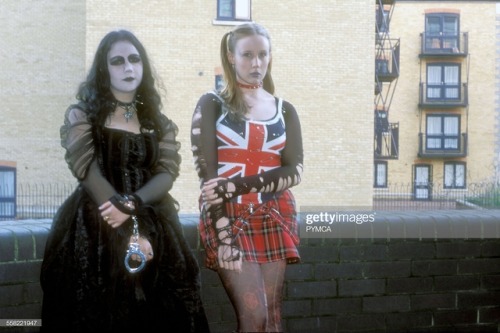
(323, 64)
(478, 19)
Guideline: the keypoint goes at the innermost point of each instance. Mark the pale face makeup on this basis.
(125, 70)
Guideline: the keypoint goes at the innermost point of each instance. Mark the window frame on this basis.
(241, 11)
(219, 82)
(376, 170)
(422, 190)
(443, 87)
(442, 40)
(8, 198)
(455, 164)
(442, 137)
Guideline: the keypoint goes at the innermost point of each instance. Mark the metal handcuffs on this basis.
(134, 248)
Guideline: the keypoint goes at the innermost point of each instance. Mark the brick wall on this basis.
(416, 283)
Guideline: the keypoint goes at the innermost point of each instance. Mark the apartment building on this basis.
(427, 121)
(322, 64)
(436, 96)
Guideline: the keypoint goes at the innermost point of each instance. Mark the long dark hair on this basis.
(95, 96)
(231, 93)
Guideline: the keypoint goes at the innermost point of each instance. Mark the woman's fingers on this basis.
(226, 260)
(146, 248)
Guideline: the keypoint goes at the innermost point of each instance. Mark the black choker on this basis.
(130, 108)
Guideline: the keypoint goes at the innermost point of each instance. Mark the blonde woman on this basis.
(247, 146)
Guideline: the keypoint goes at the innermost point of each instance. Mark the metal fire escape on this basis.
(387, 51)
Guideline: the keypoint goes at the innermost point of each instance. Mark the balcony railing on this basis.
(387, 60)
(443, 96)
(35, 201)
(441, 45)
(442, 146)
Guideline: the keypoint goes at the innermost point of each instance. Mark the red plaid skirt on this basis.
(264, 233)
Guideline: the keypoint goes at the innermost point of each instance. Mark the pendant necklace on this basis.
(130, 109)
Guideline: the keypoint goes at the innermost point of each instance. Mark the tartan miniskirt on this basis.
(264, 232)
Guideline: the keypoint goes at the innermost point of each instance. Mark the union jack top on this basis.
(261, 158)
(249, 148)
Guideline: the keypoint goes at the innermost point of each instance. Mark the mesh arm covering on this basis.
(292, 159)
(204, 144)
(167, 168)
(77, 139)
(204, 147)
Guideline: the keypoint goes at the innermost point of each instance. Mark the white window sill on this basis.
(218, 22)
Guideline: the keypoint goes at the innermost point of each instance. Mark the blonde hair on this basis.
(231, 93)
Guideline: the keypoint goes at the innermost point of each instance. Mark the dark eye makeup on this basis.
(119, 60)
(134, 58)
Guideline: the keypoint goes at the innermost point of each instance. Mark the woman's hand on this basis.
(226, 257)
(112, 215)
(145, 247)
(209, 194)
(228, 254)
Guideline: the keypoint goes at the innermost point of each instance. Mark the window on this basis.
(442, 32)
(382, 17)
(443, 132)
(443, 81)
(219, 82)
(422, 182)
(380, 177)
(234, 10)
(7, 192)
(454, 175)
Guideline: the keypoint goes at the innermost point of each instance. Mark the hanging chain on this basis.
(135, 249)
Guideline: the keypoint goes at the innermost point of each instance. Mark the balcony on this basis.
(386, 140)
(443, 96)
(387, 61)
(444, 46)
(442, 146)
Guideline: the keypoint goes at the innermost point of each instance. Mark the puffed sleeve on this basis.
(77, 140)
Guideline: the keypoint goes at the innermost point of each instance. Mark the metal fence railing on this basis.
(434, 196)
(39, 201)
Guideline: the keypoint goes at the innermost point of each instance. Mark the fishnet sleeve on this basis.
(204, 144)
(203, 137)
(167, 168)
